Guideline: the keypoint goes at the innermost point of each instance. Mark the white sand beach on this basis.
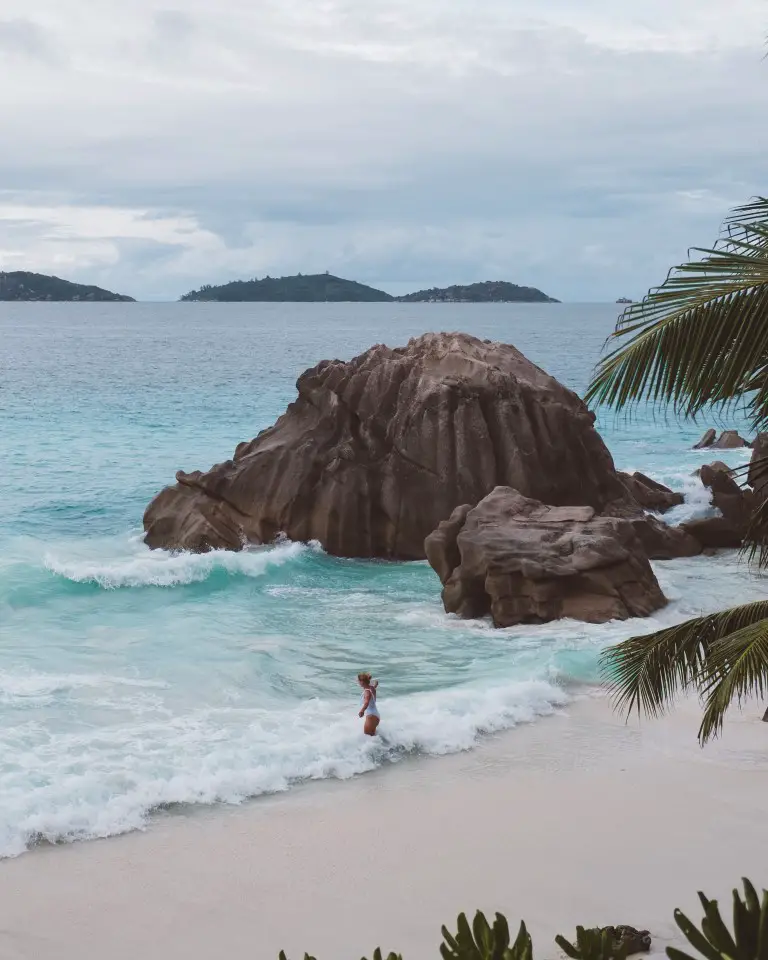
(573, 819)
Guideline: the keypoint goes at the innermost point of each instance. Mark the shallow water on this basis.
(131, 679)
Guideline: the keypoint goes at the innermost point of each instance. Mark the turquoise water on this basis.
(132, 680)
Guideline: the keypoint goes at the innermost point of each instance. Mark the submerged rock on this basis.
(734, 503)
(375, 452)
(707, 440)
(662, 541)
(523, 561)
(650, 494)
(730, 440)
(714, 532)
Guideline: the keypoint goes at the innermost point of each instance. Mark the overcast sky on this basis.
(576, 145)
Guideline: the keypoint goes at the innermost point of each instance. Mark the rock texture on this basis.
(734, 502)
(526, 562)
(650, 494)
(375, 452)
(729, 440)
(757, 477)
(707, 440)
(663, 542)
(714, 532)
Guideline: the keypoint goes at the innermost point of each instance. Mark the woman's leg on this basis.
(370, 726)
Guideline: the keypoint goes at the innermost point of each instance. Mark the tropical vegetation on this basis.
(490, 291)
(481, 940)
(22, 285)
(697, 342)
(309, 288)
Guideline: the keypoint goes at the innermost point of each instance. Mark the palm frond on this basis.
(701, 338)
(756, 538)
(737, 667)
(646, 673)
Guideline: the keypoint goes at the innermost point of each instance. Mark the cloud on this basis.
(22, 38)
(580, 147)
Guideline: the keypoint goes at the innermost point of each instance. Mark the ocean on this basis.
(134, 680)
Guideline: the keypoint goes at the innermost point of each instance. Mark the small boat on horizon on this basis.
(624, 300)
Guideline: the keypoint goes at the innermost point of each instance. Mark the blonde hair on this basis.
(364, 677)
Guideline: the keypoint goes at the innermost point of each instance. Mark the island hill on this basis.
(492, 291)
(21, 285)
(322, 287)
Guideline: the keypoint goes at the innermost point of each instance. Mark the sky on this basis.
(580, 146)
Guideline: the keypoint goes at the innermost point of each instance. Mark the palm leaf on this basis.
(701, 338)
(737, 667)
(648, 672)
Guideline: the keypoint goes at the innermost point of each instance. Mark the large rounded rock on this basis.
(375, 452)
(526, 562)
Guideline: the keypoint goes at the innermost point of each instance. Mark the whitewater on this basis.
(134, 681)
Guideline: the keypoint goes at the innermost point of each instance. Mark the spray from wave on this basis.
(160, 568)
(99, 783)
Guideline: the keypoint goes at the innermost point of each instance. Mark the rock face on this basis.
(526, 562)
(735, 503)
(714, 532)
(375, 452)
(729, 440)
(663, 542)
(650, 494)
(707, 440)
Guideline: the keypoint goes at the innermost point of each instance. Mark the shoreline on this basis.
(576, 818)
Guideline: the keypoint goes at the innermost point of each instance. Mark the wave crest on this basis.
(160, 568)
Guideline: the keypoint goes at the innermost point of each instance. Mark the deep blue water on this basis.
(132, 679)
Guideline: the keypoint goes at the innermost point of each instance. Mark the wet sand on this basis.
(574, 819)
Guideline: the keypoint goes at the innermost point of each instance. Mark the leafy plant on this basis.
(700, 340)
(482, 941)
(605, 943)
(749, 940)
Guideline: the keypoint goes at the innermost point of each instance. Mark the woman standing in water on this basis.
(368, 708)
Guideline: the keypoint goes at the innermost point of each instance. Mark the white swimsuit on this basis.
(371, 710)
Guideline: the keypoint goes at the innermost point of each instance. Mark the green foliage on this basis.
(749, 940)
(594, 944)
(699, 340)
(22, 285)
(482, 941)
(723, 656)
(310, 288)
(491, 291)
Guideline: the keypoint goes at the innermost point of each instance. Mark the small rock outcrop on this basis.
(650, 494)
(735, 503)
(730, 440)
(714, 533)
(523, 561)
(376, 451)
(707, 440)
(662, 541)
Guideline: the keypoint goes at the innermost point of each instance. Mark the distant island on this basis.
(324, 287)
(312, 288)
(492, 291)
(21, 285)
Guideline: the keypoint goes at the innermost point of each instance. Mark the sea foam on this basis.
(161, 568)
